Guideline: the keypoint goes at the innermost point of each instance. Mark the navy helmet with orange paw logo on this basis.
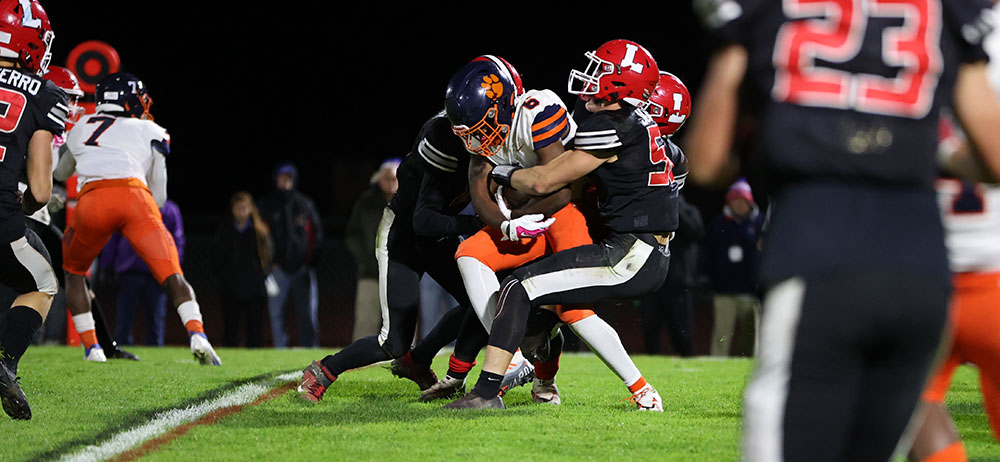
(123, 92)
(479, 103)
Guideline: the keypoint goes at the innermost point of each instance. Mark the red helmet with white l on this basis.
(66, 79)
(670, 104)
(25, 34)
(619, 70)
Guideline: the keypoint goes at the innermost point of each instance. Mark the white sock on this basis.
(603, 340)
(84, 322)
(189, 311)
(483, 288)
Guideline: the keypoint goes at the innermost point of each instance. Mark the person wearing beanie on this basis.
(297, 232)
(732, 251)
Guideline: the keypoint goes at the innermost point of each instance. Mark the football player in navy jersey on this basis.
(36, 111)
(620, 147)
(854, 263)
(418, 234)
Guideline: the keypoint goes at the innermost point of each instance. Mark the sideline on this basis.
(170, 425)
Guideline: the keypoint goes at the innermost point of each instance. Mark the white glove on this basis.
(525, 226)
(501, 202)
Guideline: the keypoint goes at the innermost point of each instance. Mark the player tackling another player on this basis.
(619, 145)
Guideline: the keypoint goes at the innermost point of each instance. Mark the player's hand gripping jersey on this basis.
(32, 104)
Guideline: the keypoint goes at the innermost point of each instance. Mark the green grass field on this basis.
(371, 415)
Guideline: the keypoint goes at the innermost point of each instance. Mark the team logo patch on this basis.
(494, 89)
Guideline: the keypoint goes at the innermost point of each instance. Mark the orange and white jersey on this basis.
(540, 119)
(105, 147)
(971, 214)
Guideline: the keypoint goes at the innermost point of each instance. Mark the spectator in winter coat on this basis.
(362, 227)
(242, 259)
(297, 232)
(732, 252)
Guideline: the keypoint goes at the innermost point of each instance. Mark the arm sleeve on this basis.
(157, 178)
(66, 165)
(429, 219)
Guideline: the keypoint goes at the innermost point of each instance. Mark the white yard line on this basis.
(165, 421)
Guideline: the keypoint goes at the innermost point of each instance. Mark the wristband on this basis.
(502, 174)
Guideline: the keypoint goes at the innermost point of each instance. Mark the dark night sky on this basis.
(335, 89)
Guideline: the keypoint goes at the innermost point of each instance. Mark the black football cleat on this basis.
(119, 353)
(404, 368)
(474, 401)
(15, 404)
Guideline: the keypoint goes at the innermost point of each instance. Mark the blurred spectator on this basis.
(732, 251)
(297, 233)
(242, 258)
(362, 228)
(673, 304)
(136, 284)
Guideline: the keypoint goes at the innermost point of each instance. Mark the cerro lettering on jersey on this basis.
(20, 80)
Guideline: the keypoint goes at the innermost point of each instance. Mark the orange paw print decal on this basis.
(494, 89)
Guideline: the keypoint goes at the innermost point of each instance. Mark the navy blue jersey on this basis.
(433, 184)
(852, 88)
(27, 104)
(637, 192)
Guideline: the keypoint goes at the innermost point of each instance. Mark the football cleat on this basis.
(444, 388)
(647, 399)
(315, 381)
(545, 391)
(203, 351)
(119, 353)
(474, 401)
(15, 404)
(517, 375)
(404, 368)
(94, 353)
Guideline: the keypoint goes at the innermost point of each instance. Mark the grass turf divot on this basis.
(169, 425)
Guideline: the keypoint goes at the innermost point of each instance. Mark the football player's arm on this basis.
(39, 169)
(547, 205)
(709, 139)
(428, 217)
(561, 171)
(977, 108)
(479, 191)
(66, 165)
(157, 178)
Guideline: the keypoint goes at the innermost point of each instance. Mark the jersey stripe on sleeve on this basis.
(597, 140)
(550, 126)
(436, 158)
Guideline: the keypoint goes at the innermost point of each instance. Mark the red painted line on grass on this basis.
(207, 419)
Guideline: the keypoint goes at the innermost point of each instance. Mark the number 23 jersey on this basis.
(851, 88)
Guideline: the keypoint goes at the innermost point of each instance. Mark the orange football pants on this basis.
(975, 317)
(121, 206)
(568, 231)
